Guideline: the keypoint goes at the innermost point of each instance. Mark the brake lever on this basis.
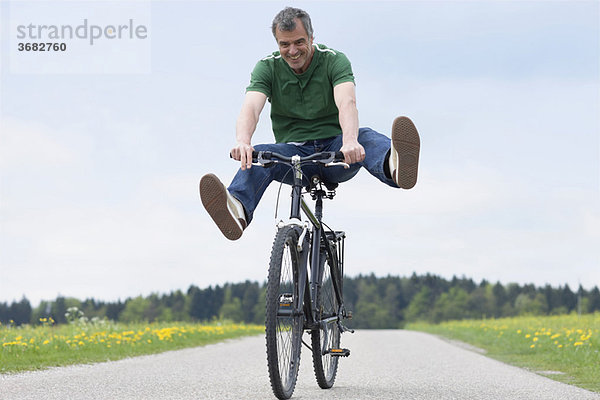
(338, 164)
(264, 162)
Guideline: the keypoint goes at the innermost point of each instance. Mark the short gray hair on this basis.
(285, 20)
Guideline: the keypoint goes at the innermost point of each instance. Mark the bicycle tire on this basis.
(283, 330)
(325, 366)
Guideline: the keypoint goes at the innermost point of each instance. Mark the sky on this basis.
(102, 145)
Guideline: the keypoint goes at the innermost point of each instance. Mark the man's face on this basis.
(295, 47)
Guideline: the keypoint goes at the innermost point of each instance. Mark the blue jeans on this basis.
(249, 185)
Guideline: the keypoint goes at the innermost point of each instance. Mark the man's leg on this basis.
(232, 208)
(392, 161)
(249, 185)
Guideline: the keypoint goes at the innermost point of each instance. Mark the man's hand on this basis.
(353, 152)
(243, 152)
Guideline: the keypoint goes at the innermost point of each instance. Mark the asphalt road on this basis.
(383, 365)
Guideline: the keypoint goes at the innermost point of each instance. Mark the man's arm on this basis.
(345, 100)
(245, 127)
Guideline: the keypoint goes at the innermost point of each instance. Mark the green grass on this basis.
(565, 348)
(31, 348)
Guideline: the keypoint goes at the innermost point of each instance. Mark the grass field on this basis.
(30, 348)
(565, 348)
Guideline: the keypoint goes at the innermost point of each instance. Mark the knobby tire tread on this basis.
(326, 291)
(290, 236)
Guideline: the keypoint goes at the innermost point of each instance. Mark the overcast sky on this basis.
(102, 146)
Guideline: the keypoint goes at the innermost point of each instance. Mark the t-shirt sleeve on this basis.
(261, 79)
(341, 70)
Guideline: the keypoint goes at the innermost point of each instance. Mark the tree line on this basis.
(376, 302)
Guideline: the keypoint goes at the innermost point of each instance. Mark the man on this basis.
(313, 108)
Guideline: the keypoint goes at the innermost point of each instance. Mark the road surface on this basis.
(384, 364)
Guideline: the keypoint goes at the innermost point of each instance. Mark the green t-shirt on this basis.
(302, 105)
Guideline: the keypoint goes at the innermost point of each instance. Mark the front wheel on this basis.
(328, 337)
(284, 326)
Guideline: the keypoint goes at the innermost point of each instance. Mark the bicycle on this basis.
(295, 304)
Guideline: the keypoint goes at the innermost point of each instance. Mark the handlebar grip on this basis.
(339, 156)
(265, 155)
(255, 155)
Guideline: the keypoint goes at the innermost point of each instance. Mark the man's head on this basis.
(294, 35)
(286, 21)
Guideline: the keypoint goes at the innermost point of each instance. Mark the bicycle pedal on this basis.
(338, 352)
(286, 300)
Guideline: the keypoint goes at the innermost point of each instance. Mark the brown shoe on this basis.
(404, 157)
(223, 208)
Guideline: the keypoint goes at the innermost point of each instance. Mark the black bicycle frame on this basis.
(318, 234)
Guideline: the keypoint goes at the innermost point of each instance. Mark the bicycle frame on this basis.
(299, 301)
(310, 294)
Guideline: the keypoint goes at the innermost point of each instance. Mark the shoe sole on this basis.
(214, 198)
(407, 144)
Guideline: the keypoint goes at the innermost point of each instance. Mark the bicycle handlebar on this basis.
(327, 158)
(324, 157)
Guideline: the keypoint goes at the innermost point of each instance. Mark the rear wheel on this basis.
(328, 337)
(283, 327)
